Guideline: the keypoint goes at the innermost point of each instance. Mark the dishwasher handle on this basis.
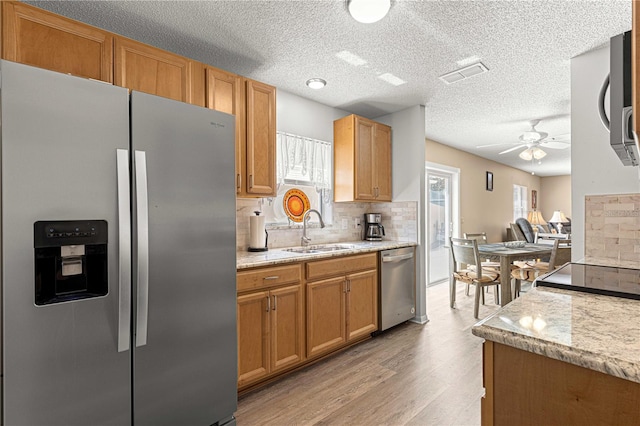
(397, 258)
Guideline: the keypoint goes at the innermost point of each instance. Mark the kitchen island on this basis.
(562, 357)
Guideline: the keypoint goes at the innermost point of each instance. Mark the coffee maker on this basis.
(373, 229)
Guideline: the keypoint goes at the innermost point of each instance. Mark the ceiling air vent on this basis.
(462, 73)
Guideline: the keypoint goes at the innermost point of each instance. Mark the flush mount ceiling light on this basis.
(316, 83)
(368, 11)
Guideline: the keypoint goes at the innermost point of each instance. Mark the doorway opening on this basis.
(443, 211)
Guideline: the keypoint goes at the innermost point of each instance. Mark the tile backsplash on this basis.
(400, 221)
(612, 230)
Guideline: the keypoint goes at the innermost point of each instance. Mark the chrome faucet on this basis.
(305, 219)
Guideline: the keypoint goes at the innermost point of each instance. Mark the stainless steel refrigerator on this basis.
(118, 255)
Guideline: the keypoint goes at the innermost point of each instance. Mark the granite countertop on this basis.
(601, 333)
(245, 259)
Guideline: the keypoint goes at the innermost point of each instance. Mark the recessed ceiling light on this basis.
(368, 11)
(316, 83)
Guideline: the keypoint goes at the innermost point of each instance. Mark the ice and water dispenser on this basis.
(70, 260)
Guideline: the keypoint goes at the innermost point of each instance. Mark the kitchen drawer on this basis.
(268, 277)
(341, 266)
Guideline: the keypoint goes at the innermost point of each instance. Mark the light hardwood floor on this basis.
(410, 375)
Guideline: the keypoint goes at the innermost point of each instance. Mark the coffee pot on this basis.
(373, 229)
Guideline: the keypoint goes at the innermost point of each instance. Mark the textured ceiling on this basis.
(527, 46)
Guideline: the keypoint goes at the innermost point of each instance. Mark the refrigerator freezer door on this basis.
(186, 371)
(61, 363)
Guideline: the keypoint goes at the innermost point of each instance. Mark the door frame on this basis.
(454, 172)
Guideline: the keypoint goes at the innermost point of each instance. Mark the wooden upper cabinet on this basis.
(42, 39)
(362, 160)
(225, 92)
(382, 157)
(365, 160)
(254, 105)
(260, 139)
(151, 70)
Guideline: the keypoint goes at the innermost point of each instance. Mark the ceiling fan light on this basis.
(368, 11)
(526, 155)
(538, 154)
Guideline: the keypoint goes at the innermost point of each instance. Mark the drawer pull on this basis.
(271, 278)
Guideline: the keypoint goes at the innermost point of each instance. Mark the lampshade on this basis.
(538, 154)
(535, 218)
(558, 216)
(526, 155)
(368, 11)
(530, 153)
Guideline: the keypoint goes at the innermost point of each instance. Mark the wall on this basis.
(612, 230)
(595, 169)
(300, 116)
(399, 221)
(407, 152)
(555, 194)
(482, 210)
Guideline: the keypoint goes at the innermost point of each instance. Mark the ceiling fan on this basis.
(533, 141)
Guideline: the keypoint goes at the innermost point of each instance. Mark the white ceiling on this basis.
(527, 46)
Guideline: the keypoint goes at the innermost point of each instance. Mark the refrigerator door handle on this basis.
(142, 209)
(124, 250)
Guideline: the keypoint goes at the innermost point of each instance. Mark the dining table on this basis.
(507, 255)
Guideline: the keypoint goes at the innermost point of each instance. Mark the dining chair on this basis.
(481, 238)
(465, 251)
(529, 271)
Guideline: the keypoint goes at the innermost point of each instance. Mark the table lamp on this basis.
(557, 218)
(535, 218)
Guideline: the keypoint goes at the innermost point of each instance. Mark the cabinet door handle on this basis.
(348, 286)
(250, 181)
(271, 278)
(268, 303)
(239, 181)
(344, 286)
(275, 305)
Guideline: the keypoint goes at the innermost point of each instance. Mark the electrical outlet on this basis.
(356, 222)
(345, 223)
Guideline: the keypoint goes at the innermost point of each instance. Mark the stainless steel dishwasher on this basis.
(397, 286)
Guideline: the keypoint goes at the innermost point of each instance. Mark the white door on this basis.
(441, 222)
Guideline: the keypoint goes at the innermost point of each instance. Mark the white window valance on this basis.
(303, 160)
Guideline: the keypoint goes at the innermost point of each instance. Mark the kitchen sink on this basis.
(319, 248)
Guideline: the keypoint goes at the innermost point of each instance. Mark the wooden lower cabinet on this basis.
(326, 315)
(341, 308)
(344, 308)
(270, 324)
(523, 388)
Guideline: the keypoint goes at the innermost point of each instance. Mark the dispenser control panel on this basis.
(55, 233)
(70, 260)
